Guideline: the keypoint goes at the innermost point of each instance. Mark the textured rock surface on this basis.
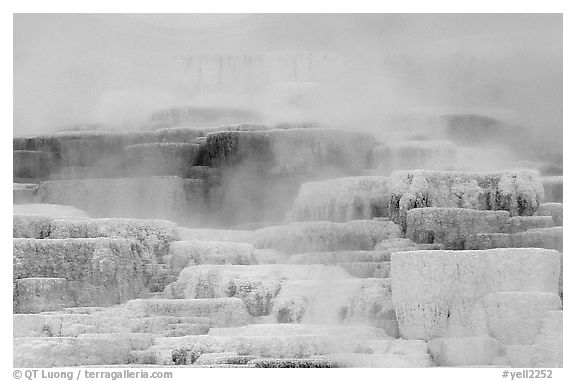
(100, 271)
(546, 238)
(279, 341)
(187, 253)
(185, 350)
(33, 295)
(256, 285)
(553, 209)
(342, 199)
(223, 312)
(396, 244)
(304, 237)
(519, 224)
(154, 235)
(230, 174)
(435, 292)
(517, 192)
(348, 301)
(88, 144)
(71, 323)
(291, 363)
(334, 288)
(31, 226)
(451, 226)
(228, 358)
(47, 352)
(291, 150)
(47, 143)
(152, 238)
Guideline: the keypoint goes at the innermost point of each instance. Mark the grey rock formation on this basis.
(552, 209)
(517, 192)
(451, 226)
(99, 271)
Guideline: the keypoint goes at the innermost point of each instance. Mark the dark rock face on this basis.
(452, 226)
(299, 150)
(44, 143)
(162, 159)
(262, 170)
(32, 164)
(102, 150)
(235, 147)
(224, 175)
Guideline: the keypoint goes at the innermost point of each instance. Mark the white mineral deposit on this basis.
(287, 190)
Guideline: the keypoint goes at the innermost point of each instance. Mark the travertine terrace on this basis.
(322, 190)
(121, 263)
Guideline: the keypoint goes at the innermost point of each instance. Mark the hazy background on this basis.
(117, 69)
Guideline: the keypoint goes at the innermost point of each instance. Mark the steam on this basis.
(397, 76)
(393, 75)
(117, 69)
